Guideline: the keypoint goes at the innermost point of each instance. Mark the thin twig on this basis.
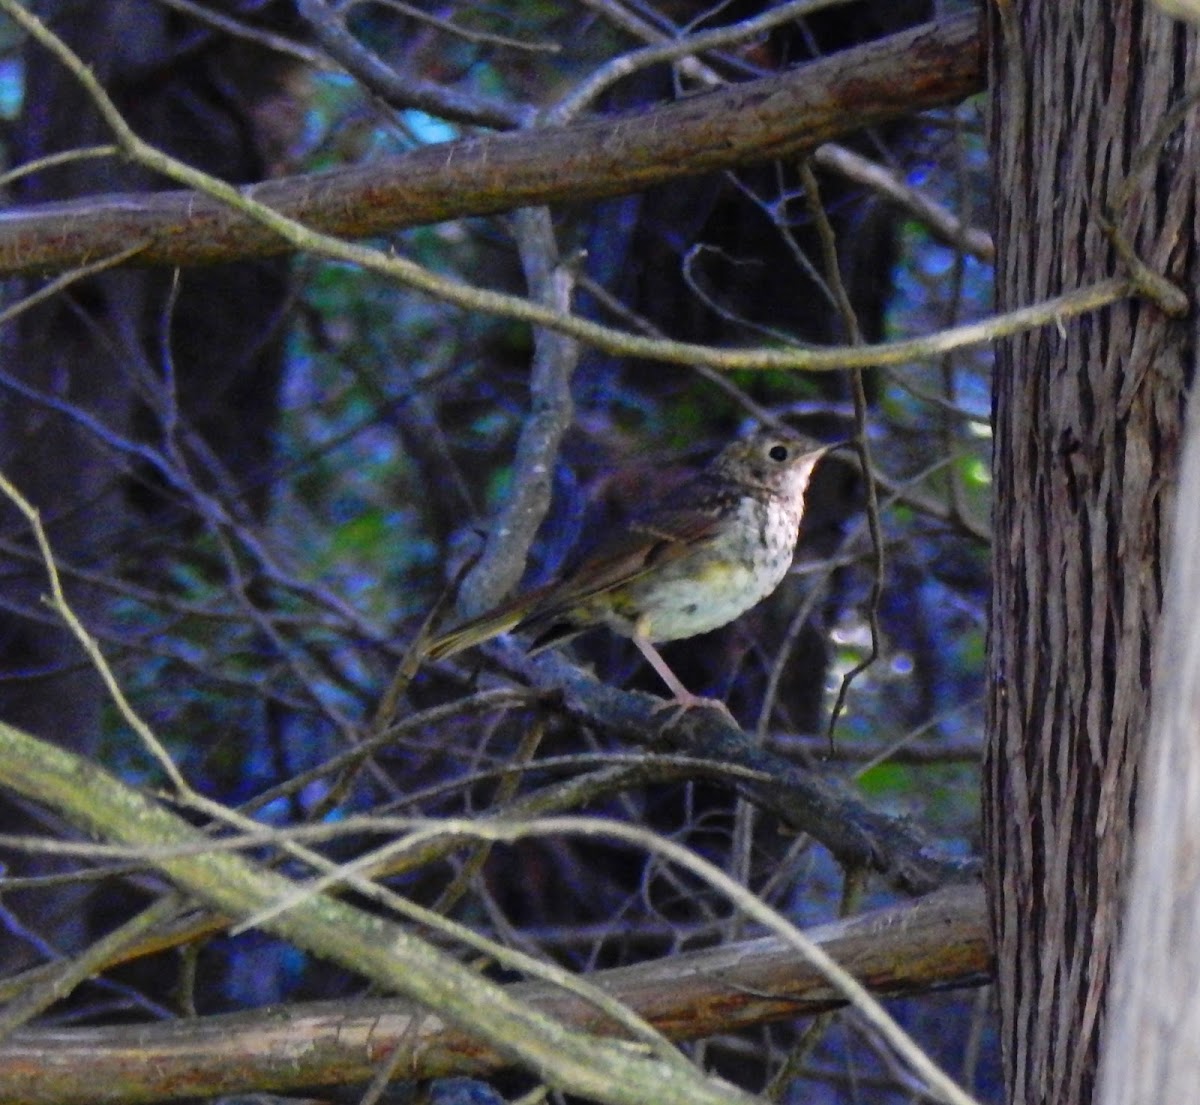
(506, 793)
(645, 30)
(833, 277)
(1056, 310)
(51, 985)
(54, 160)
(941, 223)
(398, 89)
(937, 1081)
(258, 35)
(467, 34)
(574, 1060)
(66, 279)
(58, 603)
(665, 49)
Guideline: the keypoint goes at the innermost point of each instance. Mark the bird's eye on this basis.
(778, 452)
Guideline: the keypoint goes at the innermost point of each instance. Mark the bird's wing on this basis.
(663, 537)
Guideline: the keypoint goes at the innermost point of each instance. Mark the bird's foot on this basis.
(682, 699)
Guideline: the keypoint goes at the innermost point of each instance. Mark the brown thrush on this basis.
(703, 556)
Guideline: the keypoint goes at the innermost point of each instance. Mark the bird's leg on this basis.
(683, 698)
(655, 660)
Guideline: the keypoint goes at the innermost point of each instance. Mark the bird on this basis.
(700, 558)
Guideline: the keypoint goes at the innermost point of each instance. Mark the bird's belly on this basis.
(673, 606)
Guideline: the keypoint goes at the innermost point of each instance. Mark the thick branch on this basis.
(928, 66)
(593, 1067)
(938, 941)
(856, 835)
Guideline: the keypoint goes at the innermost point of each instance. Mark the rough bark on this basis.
(1152, 1051)
(1087, 421)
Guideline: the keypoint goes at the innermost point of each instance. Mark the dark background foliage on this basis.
(260, 478)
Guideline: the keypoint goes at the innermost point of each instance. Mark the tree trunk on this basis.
(1087, 428)
(1152, 1050)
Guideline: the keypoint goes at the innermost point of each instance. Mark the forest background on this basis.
(508, 271)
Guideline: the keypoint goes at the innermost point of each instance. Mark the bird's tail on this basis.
(477, 630)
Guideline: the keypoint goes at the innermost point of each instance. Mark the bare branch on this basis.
(551, 282)
(221, 22)
(856, 835)
(938, 941)
(398, 89)
(577, 1061)
(667, 49)
(467, 34)
(942, 223)
(777, 116)
(602, 337)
